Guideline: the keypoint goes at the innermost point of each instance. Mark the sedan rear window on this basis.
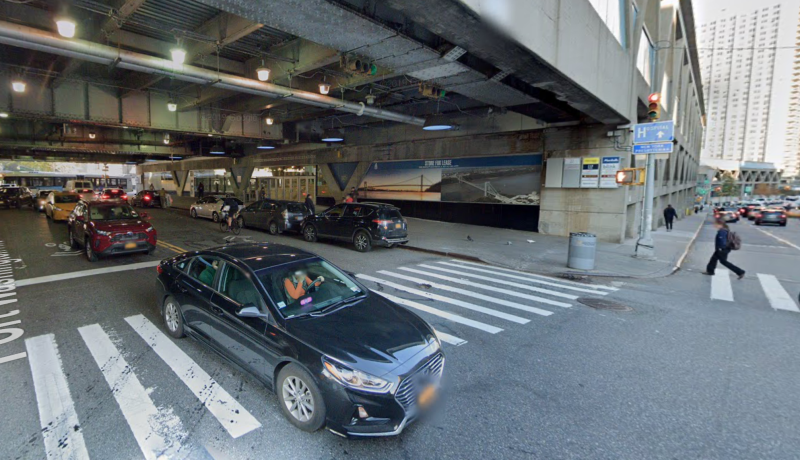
(391, 213)
(295, 207)
(67, 198)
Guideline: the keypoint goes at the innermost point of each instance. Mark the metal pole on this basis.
(645, 247)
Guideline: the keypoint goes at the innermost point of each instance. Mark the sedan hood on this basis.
(374, 336)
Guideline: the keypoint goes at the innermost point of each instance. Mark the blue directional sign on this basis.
(646, 149)
(661, 131)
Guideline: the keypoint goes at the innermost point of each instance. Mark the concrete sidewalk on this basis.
(537, 253)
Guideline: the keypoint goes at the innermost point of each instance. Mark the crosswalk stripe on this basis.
(501, 281)
(447, 338)
(776, 294)
(494, 270)
(464, 292)
(219, 402)
(63, 434)
(440, 313)
(158, 432)
(721, 285)
(533, 275)
(488, 288)
(467, 305)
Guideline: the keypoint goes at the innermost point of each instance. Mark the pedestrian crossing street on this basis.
(777, 296)
(478, 296)
(453, 295)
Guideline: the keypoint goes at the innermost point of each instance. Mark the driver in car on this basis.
(299, 284)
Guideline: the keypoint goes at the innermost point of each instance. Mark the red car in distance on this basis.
(108, 228)
(113, 194)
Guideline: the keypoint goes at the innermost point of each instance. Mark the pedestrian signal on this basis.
(654, 107)
(626, 176)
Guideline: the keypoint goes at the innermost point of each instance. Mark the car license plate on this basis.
(398, 225)
(130, 245)
(427, 396)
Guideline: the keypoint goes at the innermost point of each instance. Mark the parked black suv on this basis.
(364, 224)
(15, 197)
(146, 199)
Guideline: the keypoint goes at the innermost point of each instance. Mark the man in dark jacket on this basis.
(721, 250)
(310, 204)
(669, 215)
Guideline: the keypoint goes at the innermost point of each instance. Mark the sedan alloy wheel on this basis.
(298, 399)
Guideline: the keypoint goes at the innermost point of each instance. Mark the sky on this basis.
(710, 10)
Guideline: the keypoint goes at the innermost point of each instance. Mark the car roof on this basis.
(258, 256)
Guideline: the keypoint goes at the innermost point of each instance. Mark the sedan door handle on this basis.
(217, 311)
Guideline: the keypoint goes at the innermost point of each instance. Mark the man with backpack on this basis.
(724, 243)
(669, 216)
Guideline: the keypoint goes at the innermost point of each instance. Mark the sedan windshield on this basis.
(101, 213)
(67, 198)
(308, 287)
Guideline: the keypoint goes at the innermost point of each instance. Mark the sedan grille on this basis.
(411, 386)
(128, 237)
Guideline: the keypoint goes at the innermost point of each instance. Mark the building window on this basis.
(644, 60)
(611, 12)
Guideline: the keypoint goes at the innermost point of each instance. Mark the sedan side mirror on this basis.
(251, 311)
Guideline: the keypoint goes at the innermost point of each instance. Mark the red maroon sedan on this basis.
(107, 228)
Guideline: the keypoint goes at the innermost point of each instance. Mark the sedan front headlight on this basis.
(101, 232)
(149, 229)
(356, 379)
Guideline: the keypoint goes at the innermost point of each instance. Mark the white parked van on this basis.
(75, 185)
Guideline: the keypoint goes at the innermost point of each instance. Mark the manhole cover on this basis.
(603, 304)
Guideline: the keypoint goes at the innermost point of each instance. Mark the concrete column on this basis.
(240, 178)
(180, 181)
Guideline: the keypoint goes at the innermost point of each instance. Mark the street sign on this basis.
(608, 172)
(661, 131)
(647, 149)
(590, 172)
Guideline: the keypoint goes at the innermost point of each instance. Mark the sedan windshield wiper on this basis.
(336, 306)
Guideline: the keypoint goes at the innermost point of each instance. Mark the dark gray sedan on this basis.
(275, 216)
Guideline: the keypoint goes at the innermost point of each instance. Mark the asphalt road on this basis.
(681, 375)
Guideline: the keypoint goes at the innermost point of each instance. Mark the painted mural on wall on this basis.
(514, 179)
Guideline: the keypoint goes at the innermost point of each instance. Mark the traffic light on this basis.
(654, 107)
(626, 176)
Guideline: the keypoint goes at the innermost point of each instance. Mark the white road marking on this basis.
(227, 410)
(63, 434)
(558, 282)
(464, 292)
(440, 313)
(8, 359)
(488, 288)
(721, 285)
(447, 338)
(84, 273)
(497, 280)
(776, 294)
(784, 241)
(524, 278)
(157, 431)
(467, 305)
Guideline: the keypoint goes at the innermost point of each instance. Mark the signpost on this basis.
(647, 149)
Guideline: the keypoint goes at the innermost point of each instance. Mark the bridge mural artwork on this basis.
(513, 179)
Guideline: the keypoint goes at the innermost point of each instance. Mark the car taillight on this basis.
(147, 198)
(105, 197)
(385, 223)
(159, 269)
(124, 197)
(80, 196)
(783, 216)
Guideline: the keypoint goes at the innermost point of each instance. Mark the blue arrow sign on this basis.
(661, 131)
(646, 149)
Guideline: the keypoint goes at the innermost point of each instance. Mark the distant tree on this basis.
(730, 187)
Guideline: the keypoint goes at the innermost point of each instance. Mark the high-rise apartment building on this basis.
(792, 147)
(737, 62)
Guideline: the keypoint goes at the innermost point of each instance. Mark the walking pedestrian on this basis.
(201, 189)
(310, 204)
(348, 199)
(669, 215)
(354, 194)
(152, 187)
(722, 247)
(162, 195)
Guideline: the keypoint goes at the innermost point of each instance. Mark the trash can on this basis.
(582, 248)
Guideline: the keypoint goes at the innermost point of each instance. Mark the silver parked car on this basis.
(209, 207)
(275, 216)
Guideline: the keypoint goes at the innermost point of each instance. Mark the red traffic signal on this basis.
(654, 107)
(655, 97)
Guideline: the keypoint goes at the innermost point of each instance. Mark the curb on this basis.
(688, 247)
(444, 253)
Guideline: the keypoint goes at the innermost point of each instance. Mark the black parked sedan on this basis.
(771, 216)
(363, 224)
(275, 216)
(336, 354)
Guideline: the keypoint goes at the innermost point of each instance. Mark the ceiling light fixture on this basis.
(66, 27)
(262, 71)
(269, 121)
(166, 138)
(3, 115)
(92, 135)
(210, 135)
(172, 106)
(18, 86)
(217, 150)
(437, 123)
(332, 135)
(178, 55)
(265, 146)
(324, 87)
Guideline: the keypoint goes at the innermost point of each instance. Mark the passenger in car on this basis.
(299, 283)
(207, 276)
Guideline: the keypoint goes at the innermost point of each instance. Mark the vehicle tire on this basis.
(235, 228)
(310, 233)
(72, 243)
(90, 255)
(150, 251)
(300, 399)
(193, 213)
(758, 223)
(362, 241)
(273, 228)
(783, 224)
(173, 320)
(215, 217)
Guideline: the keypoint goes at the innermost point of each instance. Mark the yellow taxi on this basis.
(60, 204)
